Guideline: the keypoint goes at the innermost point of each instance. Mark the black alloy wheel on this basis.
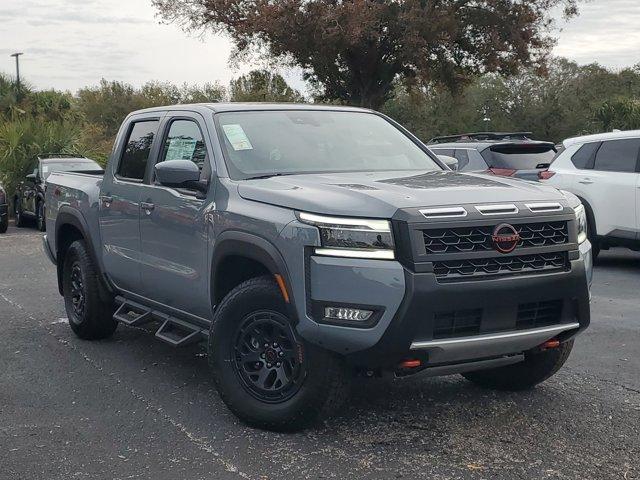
(78, 293)
(267, 358)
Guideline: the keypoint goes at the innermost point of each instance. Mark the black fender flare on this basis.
(70, 216)
(244, 244)
(591, 218)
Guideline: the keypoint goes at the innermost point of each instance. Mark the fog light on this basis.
(354, 314)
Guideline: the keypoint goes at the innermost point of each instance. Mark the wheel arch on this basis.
(252, 256)
(591, 218)
(71, 226)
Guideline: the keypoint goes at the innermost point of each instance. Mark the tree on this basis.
(353, 50)
(262, 86)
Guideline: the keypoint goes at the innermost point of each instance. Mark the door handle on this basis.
(147, 207)
(586, 181)
(106, 200)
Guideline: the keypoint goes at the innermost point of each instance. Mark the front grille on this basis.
(478, 239)
(482, 267)
(539, 314)
(458, 323)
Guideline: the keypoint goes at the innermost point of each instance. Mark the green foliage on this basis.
(569, 100)
(353, 51)
(263, 86)
(22, 139)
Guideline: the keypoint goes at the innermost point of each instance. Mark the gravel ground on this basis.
(132, 407)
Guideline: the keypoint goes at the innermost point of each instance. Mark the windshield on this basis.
(520, 157)
(69, 166)
(292, 141)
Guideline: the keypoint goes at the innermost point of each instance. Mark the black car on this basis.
(4, 216)
(29, 197)
(512, 154)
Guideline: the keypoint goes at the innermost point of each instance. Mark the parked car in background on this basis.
(604, 172)
(4, 210)
(306, 243)
(29, 199)
(506, 154)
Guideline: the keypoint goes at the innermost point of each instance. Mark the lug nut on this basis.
(258, 364)
(262, 355)
(281, 354)
(278, 364)
(269, 365)
(275, 345)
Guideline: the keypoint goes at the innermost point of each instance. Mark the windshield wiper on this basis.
(268, 175)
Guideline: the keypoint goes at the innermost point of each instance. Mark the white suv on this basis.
(604, 172)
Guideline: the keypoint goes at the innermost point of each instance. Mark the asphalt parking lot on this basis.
(132, 407)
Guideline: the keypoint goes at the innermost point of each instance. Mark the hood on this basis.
(380, 194)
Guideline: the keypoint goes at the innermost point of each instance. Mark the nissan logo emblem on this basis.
(505, 238)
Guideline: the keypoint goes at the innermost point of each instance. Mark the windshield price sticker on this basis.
(237, 138)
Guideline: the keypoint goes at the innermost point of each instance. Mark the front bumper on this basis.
(412, 302)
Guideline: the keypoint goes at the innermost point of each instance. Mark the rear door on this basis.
(611, 188)
(173, 227)
(119, 204)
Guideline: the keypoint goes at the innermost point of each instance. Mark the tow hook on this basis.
(550, 344)
(409, 364)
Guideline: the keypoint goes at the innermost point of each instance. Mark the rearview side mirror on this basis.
(450, 162)
(180, 174)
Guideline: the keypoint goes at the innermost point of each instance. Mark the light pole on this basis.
(17, 55)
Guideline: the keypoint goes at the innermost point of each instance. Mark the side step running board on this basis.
(173, 331)
(132, 314)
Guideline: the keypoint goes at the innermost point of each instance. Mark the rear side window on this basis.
(443, 151)
(583, 158)
(463, 158)
(519, 157)
(618, 156)
(137, 149)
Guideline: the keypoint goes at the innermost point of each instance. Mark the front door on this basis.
(119, 204)
(173, 227)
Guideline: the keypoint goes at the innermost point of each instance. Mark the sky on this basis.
(69, 44)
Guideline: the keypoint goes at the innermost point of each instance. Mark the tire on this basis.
(90, 317)
(4, 223)
(250, 325)
(20, 222)
(41, 222)
(592, 235)
(535, 369)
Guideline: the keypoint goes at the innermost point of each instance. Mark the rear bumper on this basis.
(407, 328)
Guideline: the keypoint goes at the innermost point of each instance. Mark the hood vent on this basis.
(505, 209)
(544, 207)
(450, 212)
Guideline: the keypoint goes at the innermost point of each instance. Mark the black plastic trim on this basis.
(238, 243)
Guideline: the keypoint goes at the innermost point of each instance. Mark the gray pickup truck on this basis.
(308, 244)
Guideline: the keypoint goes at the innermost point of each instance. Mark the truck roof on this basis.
(248, 106)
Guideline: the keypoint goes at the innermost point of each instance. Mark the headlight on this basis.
(352, 237)
(581, 219)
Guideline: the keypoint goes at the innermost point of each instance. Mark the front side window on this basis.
(285, 142)
(184, 142)
(618, 156)
(137, 149)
